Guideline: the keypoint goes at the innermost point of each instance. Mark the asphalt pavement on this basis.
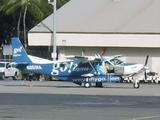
(50, 100)
(56, 87)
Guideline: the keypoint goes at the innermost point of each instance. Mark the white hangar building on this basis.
(129, 27)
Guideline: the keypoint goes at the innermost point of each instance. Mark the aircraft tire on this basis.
(87, 85)
(136, 85)
(99, 84)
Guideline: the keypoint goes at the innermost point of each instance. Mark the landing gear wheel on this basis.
(99, 84)
(136, 85)
(87, 84)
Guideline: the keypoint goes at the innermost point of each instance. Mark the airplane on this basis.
(77, 69)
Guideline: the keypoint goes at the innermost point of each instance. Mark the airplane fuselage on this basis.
(132, 68)
(71, 71)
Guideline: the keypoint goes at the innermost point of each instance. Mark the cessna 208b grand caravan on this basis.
(77, 69)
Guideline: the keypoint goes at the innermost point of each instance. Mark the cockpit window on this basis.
(116, 62)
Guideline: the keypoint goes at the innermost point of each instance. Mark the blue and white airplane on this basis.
(77, 69)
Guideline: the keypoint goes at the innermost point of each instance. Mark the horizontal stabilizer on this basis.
(19, 64)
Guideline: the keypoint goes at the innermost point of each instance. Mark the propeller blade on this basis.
(145, 74)
(146, 60)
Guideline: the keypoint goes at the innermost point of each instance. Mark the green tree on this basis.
(7, 28)
(60, 3)
(22, 6)
(22, 15)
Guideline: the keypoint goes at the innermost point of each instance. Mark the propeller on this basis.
(146, 61)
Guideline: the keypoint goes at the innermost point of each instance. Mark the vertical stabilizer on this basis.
(18, 52)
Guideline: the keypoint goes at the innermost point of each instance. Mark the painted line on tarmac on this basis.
(147, 117)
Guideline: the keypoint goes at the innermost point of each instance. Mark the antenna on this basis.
(83, 53)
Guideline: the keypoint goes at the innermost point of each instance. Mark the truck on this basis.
(7, 70)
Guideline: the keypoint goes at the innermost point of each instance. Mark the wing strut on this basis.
(93, 68)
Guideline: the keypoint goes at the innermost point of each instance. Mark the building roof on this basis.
(105, 16)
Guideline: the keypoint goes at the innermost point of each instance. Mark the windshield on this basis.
(116, 62)
(2, 64)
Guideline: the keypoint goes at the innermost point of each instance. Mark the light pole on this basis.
(54, 53)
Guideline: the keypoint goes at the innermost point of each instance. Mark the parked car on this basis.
(7, 70)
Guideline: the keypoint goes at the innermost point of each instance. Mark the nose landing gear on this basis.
(136, 85)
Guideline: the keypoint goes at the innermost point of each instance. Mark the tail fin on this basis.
(18, 52)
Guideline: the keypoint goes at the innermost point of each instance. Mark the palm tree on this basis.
(61, 3)
(22, 6)
(10, 8)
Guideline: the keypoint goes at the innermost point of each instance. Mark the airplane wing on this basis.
(117, 56)
(83, 59)
(113, 56)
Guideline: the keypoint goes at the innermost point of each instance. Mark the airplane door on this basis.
(109, 67)
(113, 72)
(119, 70)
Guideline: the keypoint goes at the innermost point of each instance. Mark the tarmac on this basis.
(48, 100)
(57, 87)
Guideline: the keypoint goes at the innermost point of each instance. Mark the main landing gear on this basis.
(99, 84)
(87, 84)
